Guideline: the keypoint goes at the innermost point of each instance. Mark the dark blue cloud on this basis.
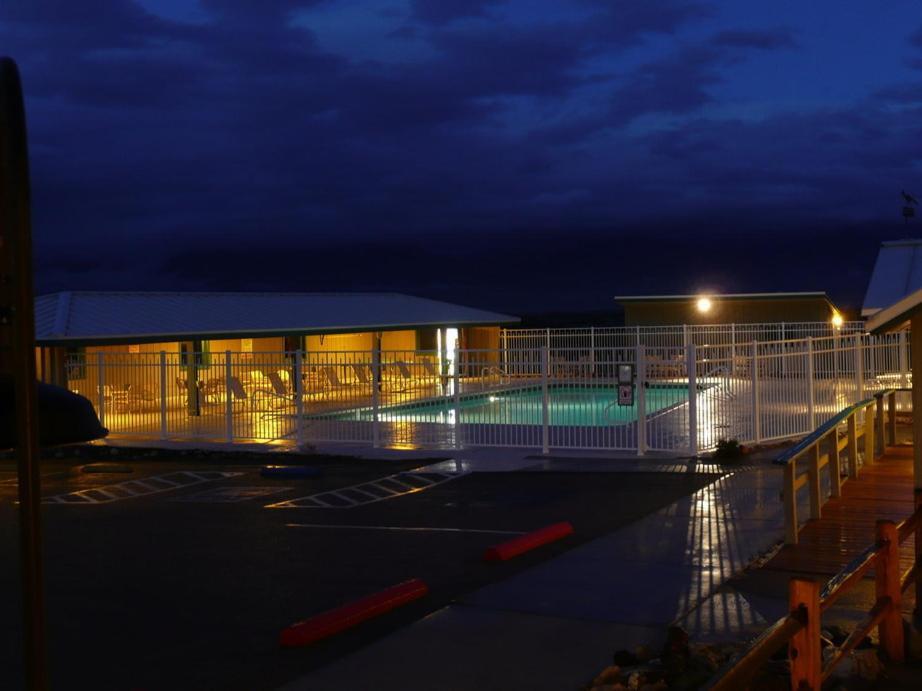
(439, 12)
(257, 146)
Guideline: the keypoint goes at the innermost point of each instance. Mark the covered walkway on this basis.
(883, 491)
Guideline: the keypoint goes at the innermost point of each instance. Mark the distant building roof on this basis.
(74, 317)
(896, 316)
(725, 296)
(897, 273)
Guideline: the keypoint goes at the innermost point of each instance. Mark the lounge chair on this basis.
(276, 392)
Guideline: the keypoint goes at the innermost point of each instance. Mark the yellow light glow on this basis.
(837, 320)
(704, 304)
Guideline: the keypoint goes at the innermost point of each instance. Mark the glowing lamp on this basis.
(837, 320)
(704, 305)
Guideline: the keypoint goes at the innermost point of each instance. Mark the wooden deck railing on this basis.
(823, 447)
(800, 629)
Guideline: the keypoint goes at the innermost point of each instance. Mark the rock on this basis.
(625, 658)
(609, 675)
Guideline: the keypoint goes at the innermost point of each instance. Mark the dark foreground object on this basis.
(63, 416)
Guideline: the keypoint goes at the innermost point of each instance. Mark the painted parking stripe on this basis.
(130, 489)
(401, 528)
(397, 485)
(230, 495)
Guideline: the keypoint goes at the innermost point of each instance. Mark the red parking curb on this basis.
(333, 621)
(519, 545)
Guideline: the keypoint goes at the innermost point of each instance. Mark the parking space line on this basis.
(390, 487)
(409, 529)
(106, 494)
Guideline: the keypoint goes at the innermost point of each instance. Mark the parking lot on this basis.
(180, 572)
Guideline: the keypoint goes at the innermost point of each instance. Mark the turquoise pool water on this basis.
(568, 406)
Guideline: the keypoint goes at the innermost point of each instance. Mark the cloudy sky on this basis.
(525, 155)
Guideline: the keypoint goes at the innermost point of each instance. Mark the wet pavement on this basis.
(176, 575)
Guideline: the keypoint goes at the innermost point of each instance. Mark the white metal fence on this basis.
(685, 398)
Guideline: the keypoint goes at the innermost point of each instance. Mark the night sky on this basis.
(528, 156)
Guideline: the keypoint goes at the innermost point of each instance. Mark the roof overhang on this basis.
(818, 295)
(897, 315)
(276, 333)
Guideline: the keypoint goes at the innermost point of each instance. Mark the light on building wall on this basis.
(837, 320)
(704, 305)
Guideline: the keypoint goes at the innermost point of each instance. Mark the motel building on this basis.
(245, 366)
(391, 370)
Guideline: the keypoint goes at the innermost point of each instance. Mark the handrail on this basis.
(801, 628)
(820, 432)
(876, 437)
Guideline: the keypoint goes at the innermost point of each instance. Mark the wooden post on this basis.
(804, 650)
(891, 418)
(813, 474)
(835, 467)
(915, 357)
(789, 493)
(880, 446)
(869, 435)
(917, 501)
(852, 447)
(887, 584)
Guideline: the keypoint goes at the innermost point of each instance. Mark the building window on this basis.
(75, 363)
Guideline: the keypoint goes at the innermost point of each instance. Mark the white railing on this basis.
(686, 398)
(672, 336)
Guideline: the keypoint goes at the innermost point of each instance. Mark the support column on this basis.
(641, 379)
(811, 394)
(163, 395)
(915, 348)
(545, 403)
(691, 367)
(376, 390)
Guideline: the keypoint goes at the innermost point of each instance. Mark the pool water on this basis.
(568, 406)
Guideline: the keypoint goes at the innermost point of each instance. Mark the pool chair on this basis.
(139, 397)
(362, 375)
(277, 394)
(407, 382)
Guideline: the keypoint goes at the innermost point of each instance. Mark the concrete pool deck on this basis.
(555, 625)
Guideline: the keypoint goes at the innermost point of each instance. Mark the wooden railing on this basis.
(800, 629)
(823, 448)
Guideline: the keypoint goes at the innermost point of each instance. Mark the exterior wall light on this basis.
(704, 305)
(837, 320)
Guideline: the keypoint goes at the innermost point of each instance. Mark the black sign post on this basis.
(17, 358)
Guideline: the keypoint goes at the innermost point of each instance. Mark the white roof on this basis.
(895, 316)
(897, 273)
(121, 316)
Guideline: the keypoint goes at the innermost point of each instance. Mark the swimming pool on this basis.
(567, 406)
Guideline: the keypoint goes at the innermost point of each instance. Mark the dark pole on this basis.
(17, 357)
